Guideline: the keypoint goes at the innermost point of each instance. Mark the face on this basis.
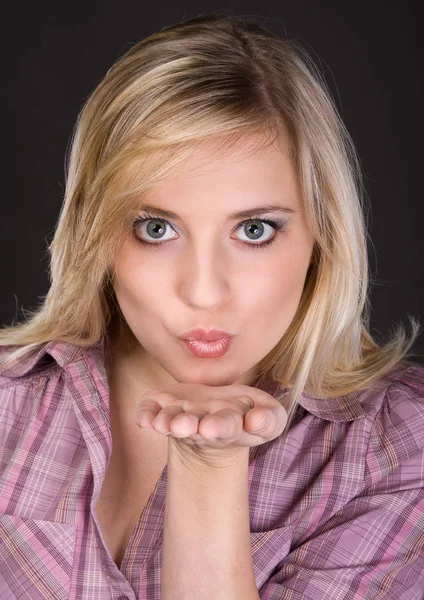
(206, 268)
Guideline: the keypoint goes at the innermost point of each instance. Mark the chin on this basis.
(208, 378)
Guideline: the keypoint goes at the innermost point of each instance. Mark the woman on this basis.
(288, 452)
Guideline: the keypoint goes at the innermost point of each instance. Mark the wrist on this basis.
(196, 460)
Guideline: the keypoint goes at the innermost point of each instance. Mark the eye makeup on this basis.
(279, 225)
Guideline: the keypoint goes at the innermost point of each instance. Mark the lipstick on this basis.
(214, 349)
(213, 343)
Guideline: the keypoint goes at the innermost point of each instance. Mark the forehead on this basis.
(252, 170)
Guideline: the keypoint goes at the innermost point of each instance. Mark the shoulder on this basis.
(46, 359)
(25, 380)
(44, 370)
(40, 386)
(403, 404)
(397, 396)
(396, 437)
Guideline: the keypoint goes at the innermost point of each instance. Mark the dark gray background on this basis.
(55, 53)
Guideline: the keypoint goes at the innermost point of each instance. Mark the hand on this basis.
(212, 422)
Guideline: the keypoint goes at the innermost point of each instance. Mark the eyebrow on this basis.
(242, 214)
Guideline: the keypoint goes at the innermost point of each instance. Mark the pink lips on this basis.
(205, 336)
(207, 344)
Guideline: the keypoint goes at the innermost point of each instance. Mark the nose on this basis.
(205, 277)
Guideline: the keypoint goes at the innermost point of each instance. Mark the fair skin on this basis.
(209, 272)
(204, 276)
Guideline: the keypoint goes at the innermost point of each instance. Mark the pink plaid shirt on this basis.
(336, 503)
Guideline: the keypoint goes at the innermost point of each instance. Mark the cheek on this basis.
(278, 285)
(138, 282)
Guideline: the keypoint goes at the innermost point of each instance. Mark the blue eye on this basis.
(157, 226)
(154, 227)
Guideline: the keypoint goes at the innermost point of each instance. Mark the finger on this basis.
(162, 421)
(255, 418)
(245, 394)
(225, 424)
(265, 422)
(145, 413)
(185, 424)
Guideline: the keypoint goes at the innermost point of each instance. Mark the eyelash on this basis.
(277, 225)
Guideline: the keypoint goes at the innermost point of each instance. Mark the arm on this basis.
(206, 546)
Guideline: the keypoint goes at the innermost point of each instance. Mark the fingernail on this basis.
(144, 428)
(262, 424)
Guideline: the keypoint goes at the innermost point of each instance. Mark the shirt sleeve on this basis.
(373, 548)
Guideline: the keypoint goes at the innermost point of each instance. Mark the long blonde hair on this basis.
(216, 78)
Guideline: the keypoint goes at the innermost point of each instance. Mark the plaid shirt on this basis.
(336, 502)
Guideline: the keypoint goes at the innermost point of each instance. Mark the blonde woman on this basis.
(197, 408)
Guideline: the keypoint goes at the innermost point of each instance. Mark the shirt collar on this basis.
(340, 408)
(61, 352)
(336, 408)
